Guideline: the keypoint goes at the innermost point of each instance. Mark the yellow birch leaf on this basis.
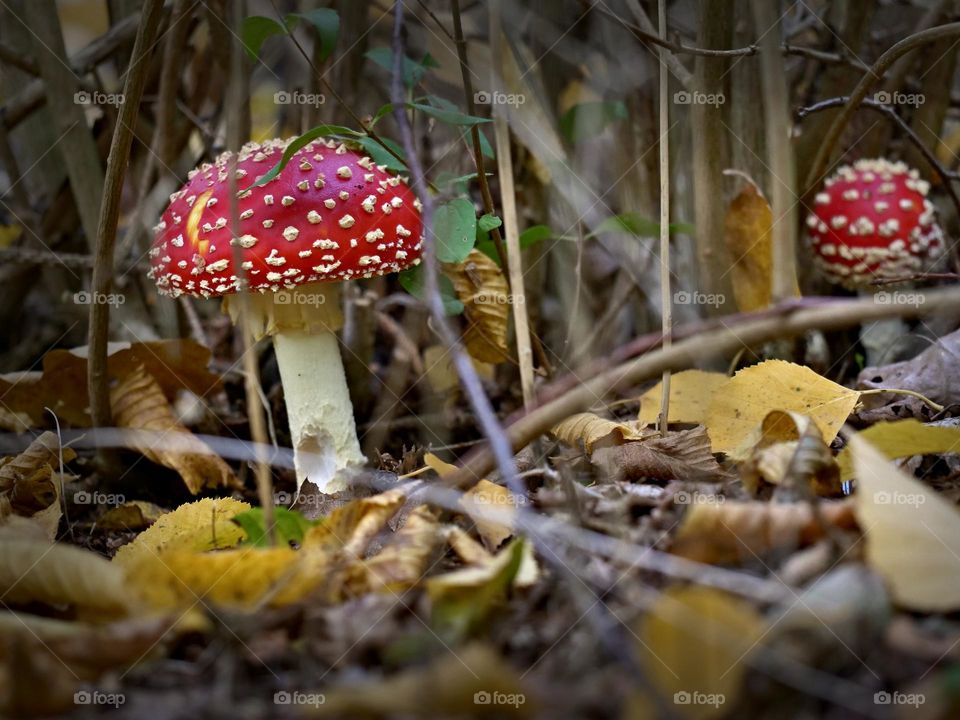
(594, 430)
(690, 394)
(695, 641)
(486, 497)
(196, 527)
(483, 290)
(912, 534)
(903, 438)
(748, 233)
(138, 403)
(738, 409)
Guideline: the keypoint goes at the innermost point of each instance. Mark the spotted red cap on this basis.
(873, 221)
(330, 215)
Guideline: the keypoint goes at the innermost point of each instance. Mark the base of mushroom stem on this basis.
(322, 427)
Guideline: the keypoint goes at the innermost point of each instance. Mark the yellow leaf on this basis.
(350, 528)
(138, 403)
(439, 466)
(487, 497)
(59, 574)
(594, 430)
(482, 288)
(405, 557)
(748, 233)
(739, 407)
(912, 534)
(465, 547)
(197, 526)
(131, 515)
(695, 641)
(903, 438)
(690, 394)
(30, 482)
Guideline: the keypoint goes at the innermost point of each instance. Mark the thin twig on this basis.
(946, 176)
(666, 297)
(789, 320)
(473, 389)
(99, 327)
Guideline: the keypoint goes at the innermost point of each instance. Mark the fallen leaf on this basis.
(195, 527)
(679, 455)
(695, 642)
(30, 480)
(593, 430)
(466, 548)
(720, 532)
(487, 496)
(404, 559)
(131, 515)
(902, 438)
(350, 528)
(138, 403)
(483, 290)
(748, 234)
(740, 406)
(59, 574)
(911, 532)
(289, 526)
(690, 394)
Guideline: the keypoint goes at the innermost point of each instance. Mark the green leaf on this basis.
(412, 70)
(379, 155)
(488, 222)
(485, 147)
(305, 139)
(636, 224)
(455, 184)
(327, 24)
(455, 230)
(414, 282)
(589, 119)
(452, 117)
(255, 29)
(289, 525)
(528, 238)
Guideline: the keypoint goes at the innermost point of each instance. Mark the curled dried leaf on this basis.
(483, 290)
(593, 430)
(138, 403)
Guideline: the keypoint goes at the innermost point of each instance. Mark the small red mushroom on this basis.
(329, 216)
(873, 221)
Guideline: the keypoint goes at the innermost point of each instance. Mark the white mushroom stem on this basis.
(303, 323)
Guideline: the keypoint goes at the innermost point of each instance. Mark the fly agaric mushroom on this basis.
(331, 215)
(873, 221)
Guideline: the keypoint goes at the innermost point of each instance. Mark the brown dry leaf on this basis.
(593, 430)
(193, 527)
(487, 497)
(404, 559)
(695, 641)
(350, 528)
(748, 233)
(682, 455)
(138, 403)
(690, 394)
(903, 438)
(730, 532)
(791, 451)
(912, 534)
(60, 574)
(131, 515)
(740, 407)
(24, 399)
(482, 288)
(30, 479)
(440, 689)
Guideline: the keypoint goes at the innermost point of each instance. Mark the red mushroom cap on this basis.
(330, 215)
(872, 222)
